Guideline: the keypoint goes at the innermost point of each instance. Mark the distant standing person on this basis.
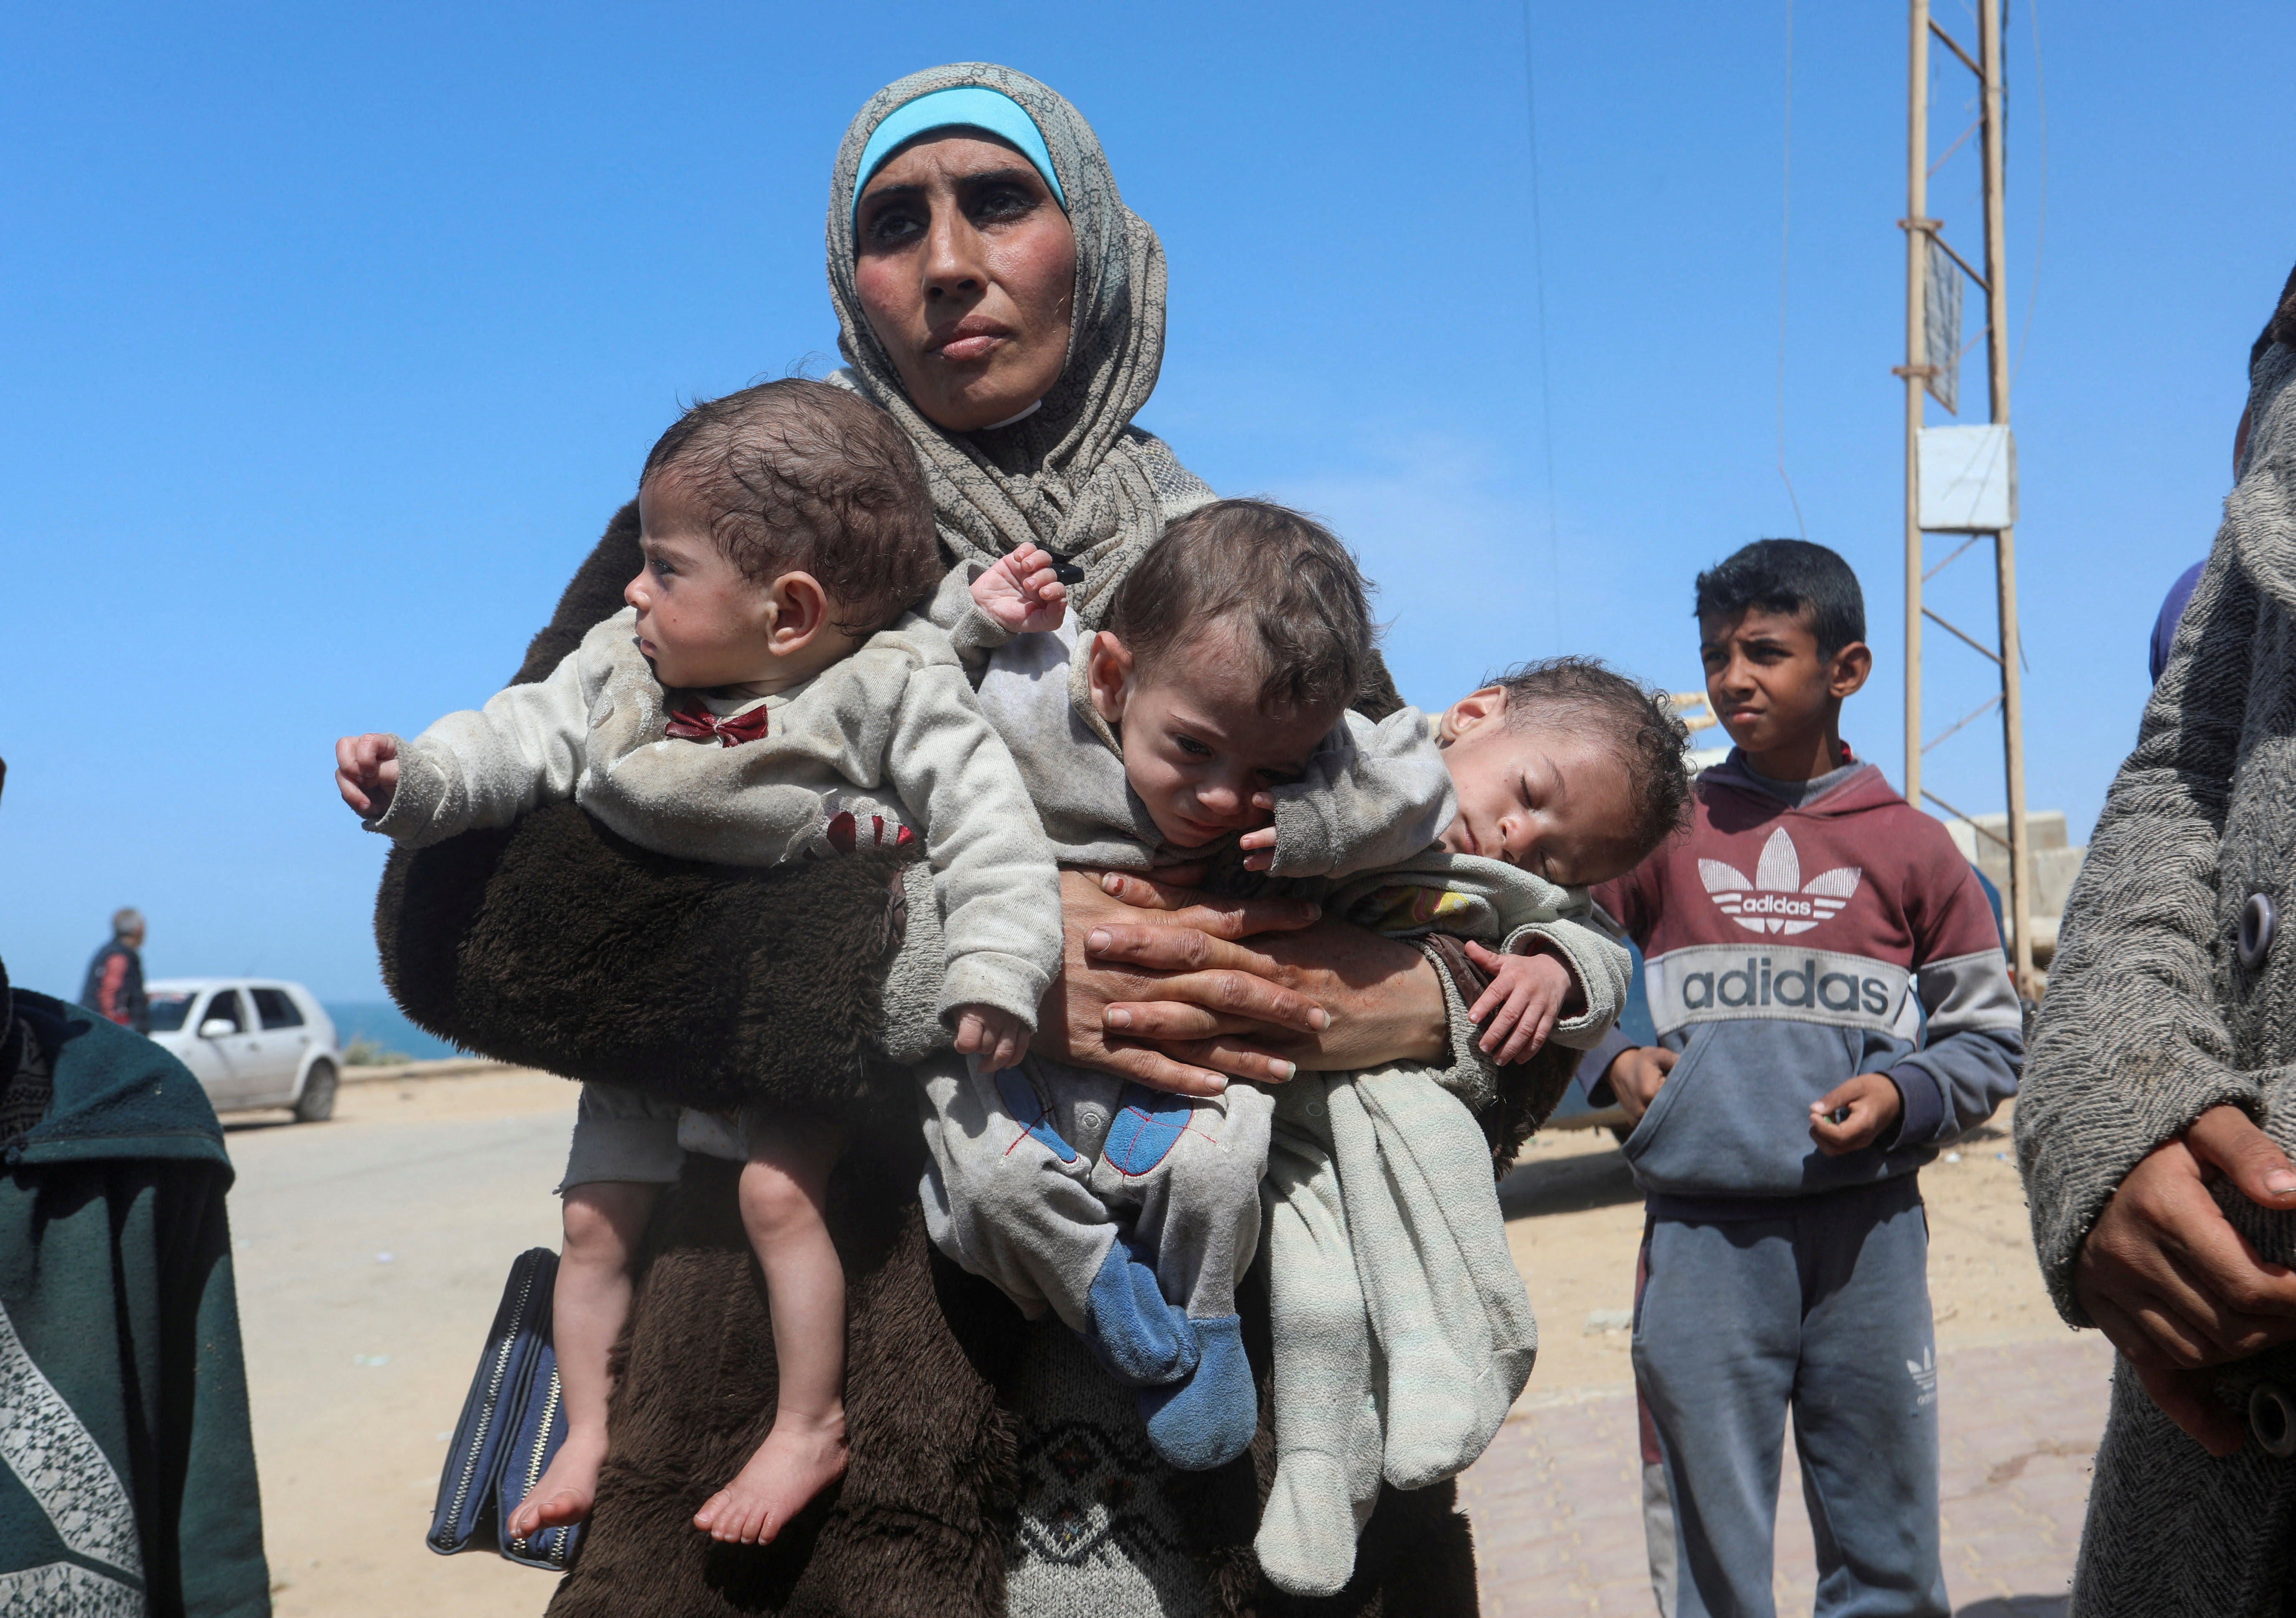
(115, 978)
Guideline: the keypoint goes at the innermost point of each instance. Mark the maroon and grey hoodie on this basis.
(1803, 933)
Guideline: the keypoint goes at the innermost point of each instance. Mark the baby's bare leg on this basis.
(603, 1222)
(784, 1186)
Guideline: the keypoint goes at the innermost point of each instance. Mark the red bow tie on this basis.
(695, 722)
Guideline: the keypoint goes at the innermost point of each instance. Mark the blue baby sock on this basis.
(1210, 1419)
(1144, 1341)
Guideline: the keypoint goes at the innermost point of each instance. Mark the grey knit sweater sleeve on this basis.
(2131, 1043)
(1372, 796)
(999, 894)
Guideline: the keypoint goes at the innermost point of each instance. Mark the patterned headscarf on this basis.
(1075, 476)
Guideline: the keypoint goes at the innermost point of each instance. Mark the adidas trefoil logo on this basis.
(1777, 900)
(1923, 1371)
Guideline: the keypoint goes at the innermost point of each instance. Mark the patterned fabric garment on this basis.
(128, 1482)
(28, 1087)
(1074, 476)
(1097, 1531)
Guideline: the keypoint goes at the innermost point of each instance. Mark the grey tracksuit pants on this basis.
(1818, 1306)
(1037, 1172)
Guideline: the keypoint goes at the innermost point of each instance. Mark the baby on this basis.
(765, 697)
(1208, 720)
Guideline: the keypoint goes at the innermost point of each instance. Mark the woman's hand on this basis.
(1156, 987)
(2176, 1290)
(1380, 998)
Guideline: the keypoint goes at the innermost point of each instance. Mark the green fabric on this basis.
(122, 1327)
(1075, 476)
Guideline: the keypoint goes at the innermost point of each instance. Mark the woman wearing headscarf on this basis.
(2158, 1106)
(997, 298)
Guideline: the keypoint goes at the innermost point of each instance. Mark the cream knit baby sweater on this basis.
(890, 735)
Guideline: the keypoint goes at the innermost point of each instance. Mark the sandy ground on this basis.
(370, 1251)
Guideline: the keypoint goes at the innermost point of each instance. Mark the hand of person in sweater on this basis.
(1526, 999)
(1022, 592)
(1852, 1117)
(998, 1038)
(367, 773)
(1635, 1075)
(2174, 1286)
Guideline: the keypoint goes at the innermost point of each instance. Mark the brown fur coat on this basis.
(561, 945)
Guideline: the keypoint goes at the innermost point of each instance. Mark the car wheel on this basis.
(317, 1104)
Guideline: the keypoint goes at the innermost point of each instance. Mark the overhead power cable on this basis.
(1785, 242)
(1539, 284)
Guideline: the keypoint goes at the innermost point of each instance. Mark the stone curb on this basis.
(442, 1067)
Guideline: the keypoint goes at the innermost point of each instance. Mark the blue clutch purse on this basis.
(513, 1423)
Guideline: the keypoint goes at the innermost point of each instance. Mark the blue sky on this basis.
(332, 336)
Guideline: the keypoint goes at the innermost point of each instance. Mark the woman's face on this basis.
(967, 269)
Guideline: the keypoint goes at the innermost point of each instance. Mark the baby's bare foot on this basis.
(797, 1460)
(564, 1493)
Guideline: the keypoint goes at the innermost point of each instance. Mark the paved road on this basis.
(1556, 1500)
(370, 1253)
(372, 1250)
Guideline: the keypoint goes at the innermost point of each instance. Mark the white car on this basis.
(248, 1042)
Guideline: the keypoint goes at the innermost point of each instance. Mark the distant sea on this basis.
(383, 1023)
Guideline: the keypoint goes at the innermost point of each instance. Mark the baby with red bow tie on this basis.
(765, 697)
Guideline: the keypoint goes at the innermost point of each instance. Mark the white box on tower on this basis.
(1968, 480)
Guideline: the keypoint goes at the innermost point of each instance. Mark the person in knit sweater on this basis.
(1833, 1004)
(763, 698)
(2155, 1124)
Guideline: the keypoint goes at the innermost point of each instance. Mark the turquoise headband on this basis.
(964, 107)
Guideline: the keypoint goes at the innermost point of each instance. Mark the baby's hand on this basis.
(1524, 1001)
(1022, 592)
(1260, 847)
(998, 1038)
(367, 773)
(1867, 1105)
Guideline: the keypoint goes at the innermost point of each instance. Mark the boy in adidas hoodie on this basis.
(1831, 1005)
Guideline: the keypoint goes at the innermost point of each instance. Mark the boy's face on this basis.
(1535, 795)
(701, 622)
(1767, 683)
(1198, 745)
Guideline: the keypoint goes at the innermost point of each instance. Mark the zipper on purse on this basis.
(501, 1352)
(533, 1463)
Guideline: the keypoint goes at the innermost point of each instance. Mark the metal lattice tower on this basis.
(1962, 480)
